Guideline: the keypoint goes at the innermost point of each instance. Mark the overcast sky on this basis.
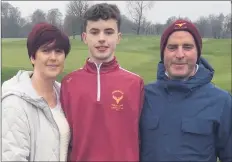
(161, 11)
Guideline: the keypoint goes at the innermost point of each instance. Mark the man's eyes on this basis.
(172, 47)
(184, 46)
(187, 46)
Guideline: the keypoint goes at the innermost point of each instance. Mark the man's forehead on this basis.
(102, 24)
(181, 36)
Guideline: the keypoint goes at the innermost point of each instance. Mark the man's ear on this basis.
(84, 35)
(119, 37)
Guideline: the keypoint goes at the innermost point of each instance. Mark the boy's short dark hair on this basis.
(102, 11)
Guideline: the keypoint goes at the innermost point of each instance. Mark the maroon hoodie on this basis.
(103, 105)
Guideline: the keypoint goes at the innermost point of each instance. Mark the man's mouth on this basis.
(102, 48)
(179, 63)
(53, 66)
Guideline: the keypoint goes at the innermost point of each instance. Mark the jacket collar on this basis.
(104, 67)
(203, 75)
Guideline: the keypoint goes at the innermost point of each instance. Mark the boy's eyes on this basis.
(108, 32)
(93, 32)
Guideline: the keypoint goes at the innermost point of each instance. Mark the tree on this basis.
(38, 16)
(127, 26)
(146, 26)
(216, 23)
(11, 18)
(26, 27)
(158, 28)
(71, 25)
(137, 10)
(203, 26)
(170, 20)
(54, 17)
(227, 26)
(5, 9)
(77, 9)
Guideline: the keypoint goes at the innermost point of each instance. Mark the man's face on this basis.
(180, 55)
(101, 36)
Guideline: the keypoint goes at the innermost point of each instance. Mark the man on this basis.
(102, 101)
(185, 117)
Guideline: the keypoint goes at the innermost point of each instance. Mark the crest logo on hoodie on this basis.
(117, 96)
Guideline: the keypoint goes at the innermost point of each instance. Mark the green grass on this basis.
(139, 54)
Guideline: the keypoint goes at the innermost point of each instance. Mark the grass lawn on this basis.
(139, 54)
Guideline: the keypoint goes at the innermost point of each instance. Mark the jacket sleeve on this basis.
(15, 131)
(141, 95)
(224, 136)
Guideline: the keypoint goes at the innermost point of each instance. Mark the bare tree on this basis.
(158, 28)
(137, 10)
(5, 9)
(170, 20)
(71, 25)
(77, 9)
(11, 18)
(216, 22)
(54, 17)
(146, 26)
(227, 23)
(203, 25)
(38, 16)
(127, 26)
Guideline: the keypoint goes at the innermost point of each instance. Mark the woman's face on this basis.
(49, 61)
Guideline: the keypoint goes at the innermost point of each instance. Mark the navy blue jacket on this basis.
(186, 120)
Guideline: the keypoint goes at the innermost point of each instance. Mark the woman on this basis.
(34, 126)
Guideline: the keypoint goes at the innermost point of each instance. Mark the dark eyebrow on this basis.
(188, 44)
(172, 44)
(93, 29)
(111, 29)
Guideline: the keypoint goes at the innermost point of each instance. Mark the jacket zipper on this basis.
(98, 82)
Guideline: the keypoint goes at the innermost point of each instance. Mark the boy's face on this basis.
(101, 36)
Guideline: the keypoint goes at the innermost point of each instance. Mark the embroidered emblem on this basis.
(117, 95)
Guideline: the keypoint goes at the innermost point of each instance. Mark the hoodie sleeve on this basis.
(224, 136)
(15, 131)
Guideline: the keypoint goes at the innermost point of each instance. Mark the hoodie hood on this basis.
(21, 86)
(203, 76)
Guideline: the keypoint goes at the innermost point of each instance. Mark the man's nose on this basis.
(101, 37)
(180, 52)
